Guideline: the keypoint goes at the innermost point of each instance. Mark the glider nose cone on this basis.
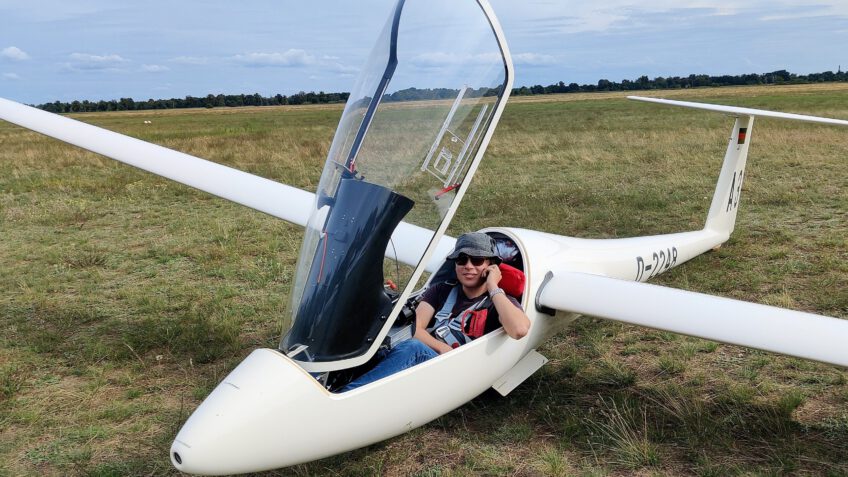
(178, 450)
(244, 423)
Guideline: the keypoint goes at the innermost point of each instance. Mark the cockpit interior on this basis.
(403, 328)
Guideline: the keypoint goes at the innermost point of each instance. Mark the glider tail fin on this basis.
(722, 215)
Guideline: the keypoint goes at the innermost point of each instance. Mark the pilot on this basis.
(464, 310)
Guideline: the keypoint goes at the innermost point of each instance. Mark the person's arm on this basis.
(514, 321)
(423, 314)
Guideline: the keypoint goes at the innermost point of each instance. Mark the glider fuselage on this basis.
(270, 413)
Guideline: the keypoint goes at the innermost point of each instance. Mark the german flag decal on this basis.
(743, 132)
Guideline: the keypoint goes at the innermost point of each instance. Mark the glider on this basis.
(398, 168)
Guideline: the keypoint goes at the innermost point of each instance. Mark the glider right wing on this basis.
(282, 201)
(279, 200)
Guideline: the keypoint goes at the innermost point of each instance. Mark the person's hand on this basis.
(444, 347)
(493, 277)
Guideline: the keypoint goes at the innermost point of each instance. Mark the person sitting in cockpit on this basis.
(460, 311)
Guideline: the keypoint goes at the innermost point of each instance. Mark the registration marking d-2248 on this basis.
(661, 261)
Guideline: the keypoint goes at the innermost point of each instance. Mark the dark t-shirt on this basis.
(437, 295)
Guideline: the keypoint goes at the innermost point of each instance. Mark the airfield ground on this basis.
(125, 298)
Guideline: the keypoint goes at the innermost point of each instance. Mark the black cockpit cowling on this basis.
(344, 304)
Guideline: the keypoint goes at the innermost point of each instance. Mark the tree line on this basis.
(691, 81)
(412, 94)
(208, 101)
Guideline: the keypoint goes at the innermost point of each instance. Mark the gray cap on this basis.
(474, 244)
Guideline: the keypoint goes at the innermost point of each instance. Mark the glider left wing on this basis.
(789, 332)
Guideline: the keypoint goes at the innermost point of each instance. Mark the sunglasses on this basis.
(476, 261)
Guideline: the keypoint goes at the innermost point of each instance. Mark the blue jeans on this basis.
(405, 355)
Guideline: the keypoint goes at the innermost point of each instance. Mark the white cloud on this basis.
(343, 69)
(533, 59)
(154, 68)
(85, 61)
(292, 57)
(189, 60)
(14, 53)
(11, 76)
(85, 57)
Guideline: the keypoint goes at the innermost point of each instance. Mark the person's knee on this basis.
(412, 346)
(417, 348)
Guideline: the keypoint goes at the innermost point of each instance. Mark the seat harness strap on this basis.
(451, 330)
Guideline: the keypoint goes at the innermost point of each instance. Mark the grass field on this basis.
(125, 298)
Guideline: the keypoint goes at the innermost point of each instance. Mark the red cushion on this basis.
(512, 280)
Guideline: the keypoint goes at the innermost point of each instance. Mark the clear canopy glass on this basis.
(411, 130)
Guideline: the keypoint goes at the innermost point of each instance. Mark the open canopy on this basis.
(412, 133)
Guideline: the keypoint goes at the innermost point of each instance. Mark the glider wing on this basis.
(282, 201)
(793, 333)
(279, 200)
(737, 111)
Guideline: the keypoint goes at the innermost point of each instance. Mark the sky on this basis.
(105, 49)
